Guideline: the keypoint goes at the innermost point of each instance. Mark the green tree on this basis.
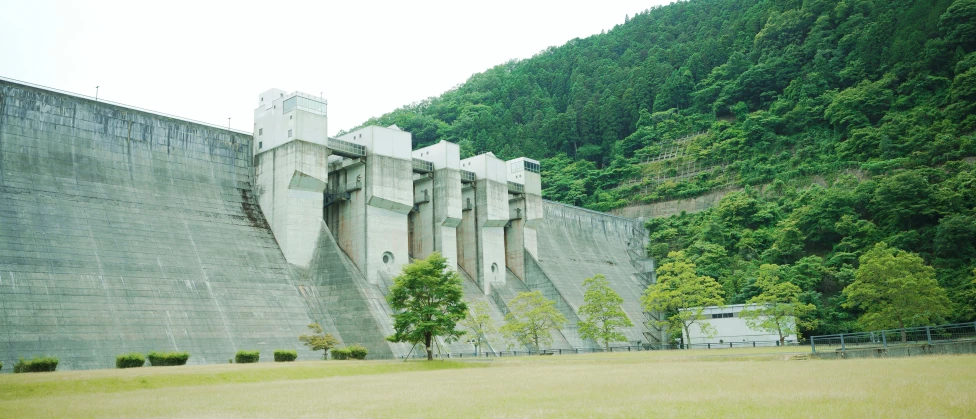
(682, 295)
(427, 299)
(531, 318)
(896, 289)
(480, 323)
(601, 313)
(778, 309)
(319, 340)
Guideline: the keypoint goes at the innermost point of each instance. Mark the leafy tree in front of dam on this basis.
(531, 319)
(319, 340)
(682, 295)
(479, 323)
(829, 126)
(427, 298)
(601, 313)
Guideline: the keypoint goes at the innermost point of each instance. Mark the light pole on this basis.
(228, 122)
(96, 93)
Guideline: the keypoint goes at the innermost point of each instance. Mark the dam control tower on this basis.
(385, 204)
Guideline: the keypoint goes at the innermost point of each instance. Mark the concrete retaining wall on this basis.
(952, 348)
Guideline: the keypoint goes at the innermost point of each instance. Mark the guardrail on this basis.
(345, 148)
(136, 108)
(895, 337)
(516, 187)
(422, 166)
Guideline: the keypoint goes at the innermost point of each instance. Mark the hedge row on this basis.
(247, 357)
(283, 355)
(133, 360)
(162, 359)
(350, 352)
(41, 364)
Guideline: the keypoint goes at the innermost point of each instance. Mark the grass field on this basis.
(718, 383)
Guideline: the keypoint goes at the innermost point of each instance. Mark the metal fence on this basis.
(628, 348)
(509, 354)
(895, 337)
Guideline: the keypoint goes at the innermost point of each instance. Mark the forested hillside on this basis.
(847, 123)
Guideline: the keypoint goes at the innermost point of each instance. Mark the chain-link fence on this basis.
(894, 337)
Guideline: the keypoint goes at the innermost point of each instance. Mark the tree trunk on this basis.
(430, 349)
(904, 336)
(688, 339)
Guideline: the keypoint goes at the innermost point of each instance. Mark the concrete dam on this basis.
(123, 230)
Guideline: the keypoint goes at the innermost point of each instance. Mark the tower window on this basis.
(260, 131)
(260, 144)
(289, 133)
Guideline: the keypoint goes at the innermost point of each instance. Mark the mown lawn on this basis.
(726, 383)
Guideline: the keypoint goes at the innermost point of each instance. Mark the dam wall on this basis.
(124, 230)
(127, 231)
(575, 244)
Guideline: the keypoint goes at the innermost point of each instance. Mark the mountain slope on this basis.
(842, 123)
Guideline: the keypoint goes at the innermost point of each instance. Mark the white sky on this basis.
(209, 60)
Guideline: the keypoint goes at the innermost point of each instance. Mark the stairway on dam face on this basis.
(124, 231)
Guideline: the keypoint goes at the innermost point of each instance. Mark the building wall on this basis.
(272, 124)
(730, 329)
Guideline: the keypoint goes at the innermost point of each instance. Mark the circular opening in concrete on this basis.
(388, 258)
(494, 267)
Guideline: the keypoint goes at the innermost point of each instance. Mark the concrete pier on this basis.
(481, 234)
(525, 213)
(373, 196)
(437, 199)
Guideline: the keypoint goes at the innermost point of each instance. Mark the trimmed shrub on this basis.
(284, 355)
(41, 364)
(133, 360)
(340, 353)
(247, 357)
(350, 352)
(358, 352)
(1, 365)
(163, 359)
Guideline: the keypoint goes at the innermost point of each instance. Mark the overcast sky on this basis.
(209, 60)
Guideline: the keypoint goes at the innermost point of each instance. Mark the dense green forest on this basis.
(838, 124)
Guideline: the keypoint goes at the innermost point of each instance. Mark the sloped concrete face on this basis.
(575, 244)
(125, 231)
